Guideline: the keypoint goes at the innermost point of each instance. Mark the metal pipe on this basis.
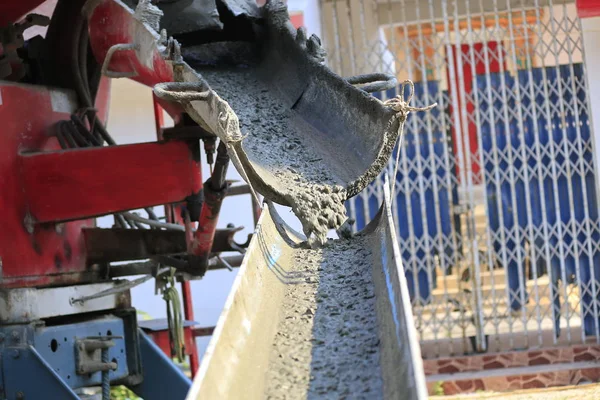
(147, 267)
(207, 224)
(188, 310)
(215, 190)
(238, 190)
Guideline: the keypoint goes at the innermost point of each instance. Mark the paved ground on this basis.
(582, 392)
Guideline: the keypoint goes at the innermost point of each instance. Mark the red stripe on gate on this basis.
(588, 8)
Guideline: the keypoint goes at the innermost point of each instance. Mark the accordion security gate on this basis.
(496, 197)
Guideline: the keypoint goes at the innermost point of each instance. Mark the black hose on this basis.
(61, 140)
(66, 132)
(151, 214)
(218, 179)
(104, 133)
(120, 221)
(84, 132)
(80, 88)
(82, 56)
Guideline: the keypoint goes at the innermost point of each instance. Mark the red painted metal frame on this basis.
(43, 185)
(83, 183)
(112, 23)
(209, 217)
(11, 11)
(50, 255)
(588, 8)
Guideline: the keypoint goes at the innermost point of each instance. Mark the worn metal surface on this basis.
(27, 304)
(57, 346)
(237, 360)
(110, 245)
(32, 256)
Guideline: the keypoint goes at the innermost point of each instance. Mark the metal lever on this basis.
(114, 290)
(225, 263)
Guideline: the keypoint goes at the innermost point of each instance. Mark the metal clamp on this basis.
(90, 352)
(120, 288)
(375, 82)
(92, 356)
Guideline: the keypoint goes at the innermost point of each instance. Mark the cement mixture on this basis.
(281, 152)
(327, 344)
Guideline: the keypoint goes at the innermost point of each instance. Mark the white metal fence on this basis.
(496, 203)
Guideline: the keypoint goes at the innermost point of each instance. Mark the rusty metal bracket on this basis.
(88, 352)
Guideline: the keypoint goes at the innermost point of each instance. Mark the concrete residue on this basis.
(148, 13)
(279, 152)
(327, 344)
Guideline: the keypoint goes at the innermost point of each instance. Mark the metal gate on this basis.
(496, 197)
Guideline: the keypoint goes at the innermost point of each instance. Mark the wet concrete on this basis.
(280, 150)
(326, 323)
(327, 344)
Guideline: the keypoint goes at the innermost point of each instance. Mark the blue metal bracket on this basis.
(28, 376)
(56, 344)
(45, 362)
(162, 378)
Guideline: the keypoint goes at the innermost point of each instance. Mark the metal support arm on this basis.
(78, 184)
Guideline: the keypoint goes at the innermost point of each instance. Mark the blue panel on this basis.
(162, 378)
(506, 141)
(550, 133)
(26, 375)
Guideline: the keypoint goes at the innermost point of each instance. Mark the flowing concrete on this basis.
(315, 323)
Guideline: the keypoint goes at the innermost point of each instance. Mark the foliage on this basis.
(122, 393)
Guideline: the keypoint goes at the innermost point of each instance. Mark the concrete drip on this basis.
(274, 144)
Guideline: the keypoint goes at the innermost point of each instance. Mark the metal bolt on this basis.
(29, 223)
(15, 336)
(16, 354)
